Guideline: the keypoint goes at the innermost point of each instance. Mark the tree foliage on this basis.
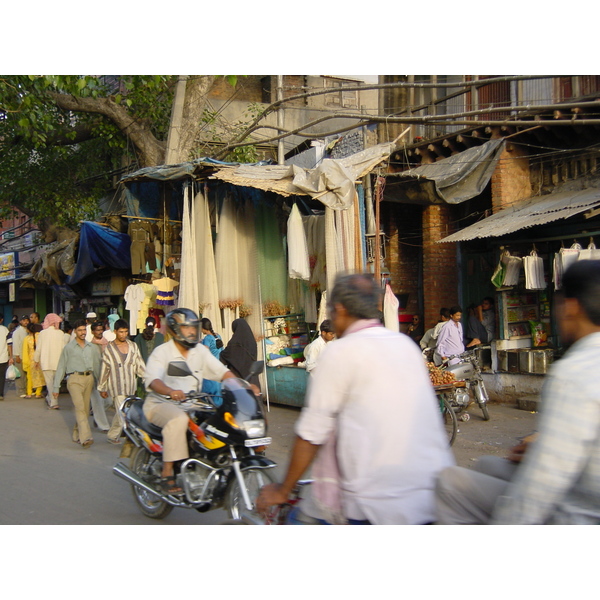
(62, 136)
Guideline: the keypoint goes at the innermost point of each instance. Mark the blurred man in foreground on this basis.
(371, 425)
(554, 478)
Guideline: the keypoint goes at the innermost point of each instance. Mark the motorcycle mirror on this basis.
(255, 368)
(178, 368)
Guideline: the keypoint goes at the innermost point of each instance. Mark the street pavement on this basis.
(46, 479)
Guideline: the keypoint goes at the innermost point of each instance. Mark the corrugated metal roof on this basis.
(535, 211)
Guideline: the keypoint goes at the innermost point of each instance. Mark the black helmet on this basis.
(184, 316)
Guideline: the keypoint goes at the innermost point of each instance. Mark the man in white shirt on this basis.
(314, 349)
(50, 343)
(5, 358)
(371, 425)
(18, 337)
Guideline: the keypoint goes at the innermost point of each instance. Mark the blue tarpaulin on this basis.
(99, 247)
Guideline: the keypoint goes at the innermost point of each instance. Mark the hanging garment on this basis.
(390, 309)
(298, 265)
(140, 233)
(534, 272)
(134, 296)
(165, 295)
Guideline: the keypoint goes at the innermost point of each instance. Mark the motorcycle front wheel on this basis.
(148, 468)
(235, 505)
(449, 418)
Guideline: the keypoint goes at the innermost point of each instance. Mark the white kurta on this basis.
(373, 387)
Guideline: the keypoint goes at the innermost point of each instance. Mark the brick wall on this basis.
(440, 275)
(511, 179)
(247, 89)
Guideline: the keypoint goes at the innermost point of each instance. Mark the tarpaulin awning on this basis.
(332, 182)
(460, 177)
(100, 247)
(173, 172)
(535, 211)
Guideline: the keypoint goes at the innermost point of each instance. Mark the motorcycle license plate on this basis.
(257, 442)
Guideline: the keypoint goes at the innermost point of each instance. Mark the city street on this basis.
(49, 480)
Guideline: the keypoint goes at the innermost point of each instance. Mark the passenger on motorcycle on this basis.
(184, 327)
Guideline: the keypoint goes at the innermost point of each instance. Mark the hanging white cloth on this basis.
(569, 255)
(208, 290)
(513, 269)
(322, 310)
(188, 287)
(298, 265)
(390, 309)
(534, 272)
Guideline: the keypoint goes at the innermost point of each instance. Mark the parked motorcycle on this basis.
(469, 386)
(225, 467)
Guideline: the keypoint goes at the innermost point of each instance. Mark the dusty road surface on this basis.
(47, 479)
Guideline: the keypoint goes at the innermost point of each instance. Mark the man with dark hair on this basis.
(314, 349)
(450, 339)
(18, 337)
(554, 477)
(80, 361)
(122, 364)
(371, 423)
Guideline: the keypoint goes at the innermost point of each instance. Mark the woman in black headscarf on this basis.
(241, 351)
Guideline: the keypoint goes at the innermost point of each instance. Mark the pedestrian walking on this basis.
(122, 364)
(18, 337)
(50, 343)
(80, 361)
(99, 404)
(35, 377)
(5, 358)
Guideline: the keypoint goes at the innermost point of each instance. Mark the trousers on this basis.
(80, 390)
(99, 410)
(49, 379)
(467, 496)
(174, 423)
(116, 428)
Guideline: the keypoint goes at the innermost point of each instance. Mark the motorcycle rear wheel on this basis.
(148, 468)
(235, 506)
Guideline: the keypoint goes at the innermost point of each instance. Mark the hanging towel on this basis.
(298, 266)
(390, 309)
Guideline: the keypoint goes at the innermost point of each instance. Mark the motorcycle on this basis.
(225, 468)
(469, 384)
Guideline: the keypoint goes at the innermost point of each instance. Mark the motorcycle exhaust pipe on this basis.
(128, 475)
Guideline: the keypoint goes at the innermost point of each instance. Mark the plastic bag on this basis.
(12, 373)
(539, 337)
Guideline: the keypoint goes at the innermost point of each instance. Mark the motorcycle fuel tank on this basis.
(462, 370)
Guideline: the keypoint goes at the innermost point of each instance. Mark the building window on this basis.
(343, 99)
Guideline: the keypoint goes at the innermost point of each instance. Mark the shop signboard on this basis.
(8, 266)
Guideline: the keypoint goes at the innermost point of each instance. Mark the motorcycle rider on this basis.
(184, 326)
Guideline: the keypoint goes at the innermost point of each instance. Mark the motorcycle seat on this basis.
(137, 417)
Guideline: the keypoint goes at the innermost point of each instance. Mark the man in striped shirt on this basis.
(122, 364)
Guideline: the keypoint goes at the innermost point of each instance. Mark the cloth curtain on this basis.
(390, 309)
(208, 290)
(188, 285)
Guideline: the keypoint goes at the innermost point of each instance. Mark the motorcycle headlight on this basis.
(255, 428)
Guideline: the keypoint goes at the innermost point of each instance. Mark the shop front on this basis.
(520, 254)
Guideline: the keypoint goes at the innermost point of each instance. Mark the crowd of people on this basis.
(371, 429)
(102, 364)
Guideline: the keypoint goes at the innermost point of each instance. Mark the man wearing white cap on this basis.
(89, 319)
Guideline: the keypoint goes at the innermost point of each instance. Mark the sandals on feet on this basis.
(169, 485)
(87, 443)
